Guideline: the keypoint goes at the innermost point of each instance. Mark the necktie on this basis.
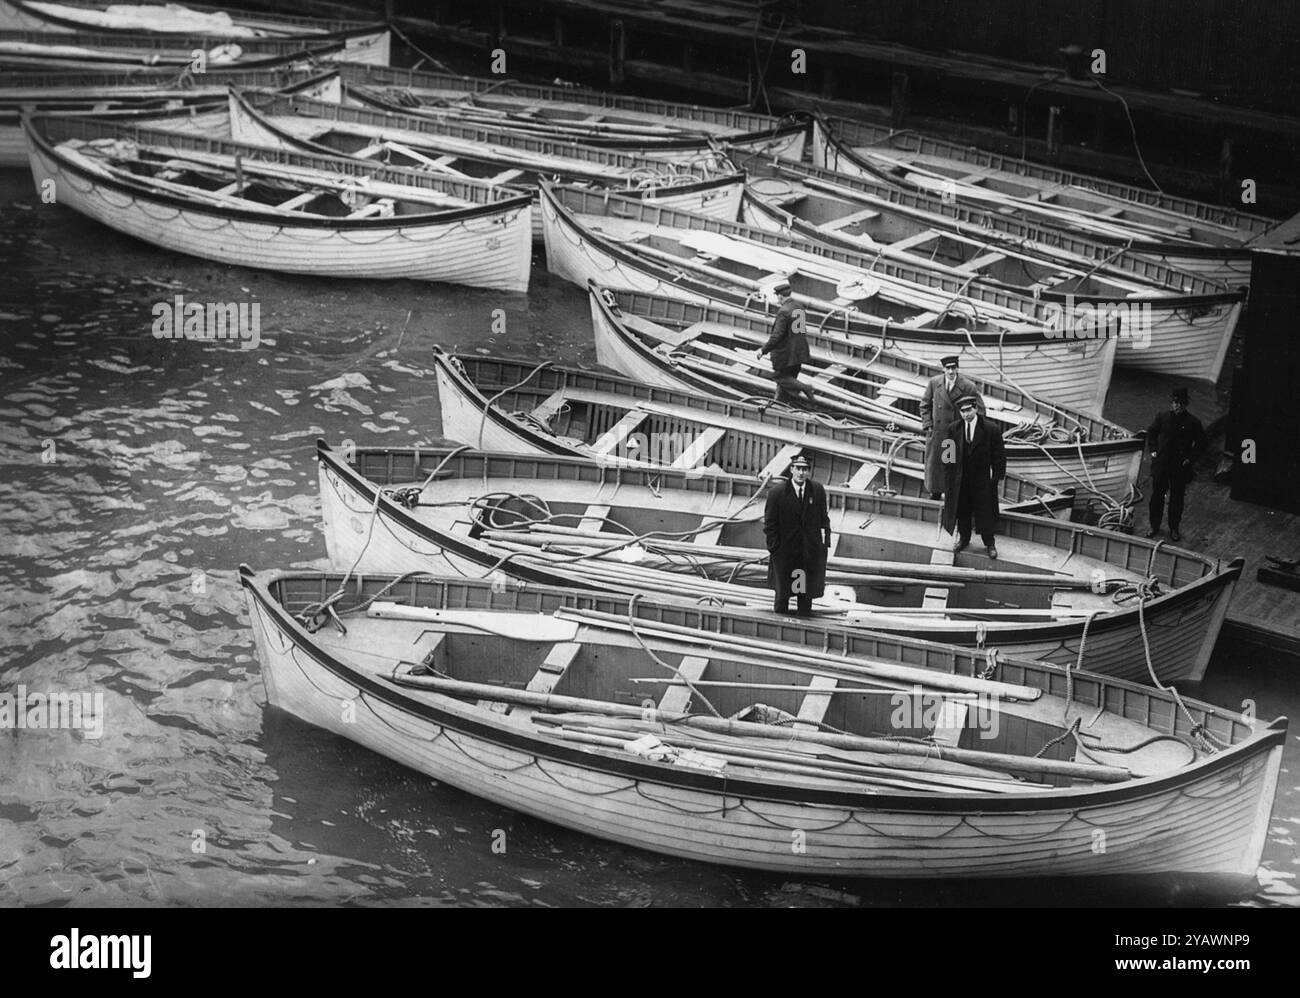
(798, 492)
(970, 432)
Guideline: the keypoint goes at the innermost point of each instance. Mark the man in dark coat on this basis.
(1176, 439)
(788, 345)
(938, 409)
(974, 462)
(798, 530)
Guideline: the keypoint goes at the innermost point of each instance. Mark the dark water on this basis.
(138, 474)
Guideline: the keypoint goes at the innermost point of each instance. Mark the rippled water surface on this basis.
(139, 473)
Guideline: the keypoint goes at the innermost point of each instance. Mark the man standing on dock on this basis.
(938, 409)
(974, 461)
(1176, 439)
(788, 345)
(798, 531)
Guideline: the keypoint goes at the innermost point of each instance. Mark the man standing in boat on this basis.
(1176, 439)
(788, 345)
(938, 409)
(974, 461)
(798, 530)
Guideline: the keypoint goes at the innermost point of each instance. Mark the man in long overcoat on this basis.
(798, 530)
(1176, 439)
(938, 409)
(788, 344)
(978, 463)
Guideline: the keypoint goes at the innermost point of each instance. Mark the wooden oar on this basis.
(807, 656)
(906, 570)
(929, 779)
(933, 764)
(787, 687)
(551, 701)
(767, 764)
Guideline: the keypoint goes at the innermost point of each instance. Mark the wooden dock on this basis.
(1263, 620)
(726, 51)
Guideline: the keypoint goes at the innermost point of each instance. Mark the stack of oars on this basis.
(863, 760)
(747, 755)
(799, 660)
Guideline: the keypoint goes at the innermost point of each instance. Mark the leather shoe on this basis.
(959, 546)
(992, 552)
(1153, 532)
(1174, 535)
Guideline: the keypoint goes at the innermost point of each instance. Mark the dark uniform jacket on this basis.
(1174, 439)
(938, 409)
(796, 533)
(787, 343)
(981, 464)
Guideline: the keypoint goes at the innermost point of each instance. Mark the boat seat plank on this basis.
(812, 711)
(699, 448)
(914, 242)
(708, 538)
(505, 176)
(864, 476)
(545, 679)
(924, 319)
(783, 457)
(980, 262)
(828, 374)
(298, 200)
(1064, 599)
(617, 434)
(594, 518)
(547, 409)
(897, 389)
(435, 656)
(936, 597)
(678, 698)
(554, 666)
(865, 215)
(950, 723)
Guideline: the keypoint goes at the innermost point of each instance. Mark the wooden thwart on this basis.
(815, 704)
(678, 698)
(617, 434)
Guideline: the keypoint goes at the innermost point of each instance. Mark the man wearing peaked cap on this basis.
(788, 345)
(938, 409)
(1175, 439)
(797, 527)
(974, 462)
